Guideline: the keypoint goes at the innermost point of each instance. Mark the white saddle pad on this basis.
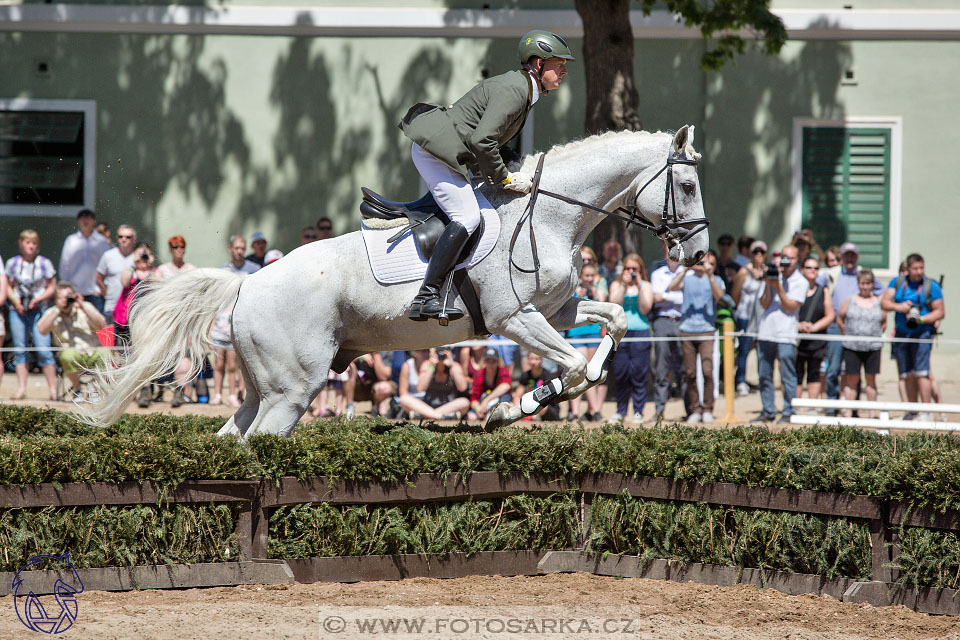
(401, 261)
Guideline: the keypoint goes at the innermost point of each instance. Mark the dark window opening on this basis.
(41, 157)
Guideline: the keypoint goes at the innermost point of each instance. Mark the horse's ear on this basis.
(683, 138)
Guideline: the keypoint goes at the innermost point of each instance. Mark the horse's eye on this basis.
(689, 188)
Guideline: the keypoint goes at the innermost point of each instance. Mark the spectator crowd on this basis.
(784, 305)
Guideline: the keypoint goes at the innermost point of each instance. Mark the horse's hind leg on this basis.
(285, 393)
(239, 423)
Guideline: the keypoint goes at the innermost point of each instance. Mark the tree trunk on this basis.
(612, 97)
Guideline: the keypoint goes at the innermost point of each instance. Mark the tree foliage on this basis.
(608, 47)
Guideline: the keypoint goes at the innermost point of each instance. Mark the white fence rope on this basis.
(592, 341)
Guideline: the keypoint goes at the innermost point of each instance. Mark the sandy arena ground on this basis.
(610, 607)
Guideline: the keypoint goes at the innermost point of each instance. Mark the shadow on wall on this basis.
(748, 161)
(429, 74)
(155, 101)
(308, 146)
(325, 156)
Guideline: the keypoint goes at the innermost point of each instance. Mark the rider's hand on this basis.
(518, 182)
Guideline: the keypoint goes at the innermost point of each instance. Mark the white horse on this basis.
(320, 307)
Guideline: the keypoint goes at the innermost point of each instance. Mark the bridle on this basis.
(666, 230)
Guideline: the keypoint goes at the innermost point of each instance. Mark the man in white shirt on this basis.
(112, 263)
(80, 257)
(783, 295)
(666, 315)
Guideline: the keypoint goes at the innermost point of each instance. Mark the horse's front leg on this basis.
(577, 312)
(531, 329)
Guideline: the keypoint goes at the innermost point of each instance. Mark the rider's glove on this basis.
(517, 182)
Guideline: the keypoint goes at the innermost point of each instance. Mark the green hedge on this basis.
(518, 522)
(692, 532)
(47, 446)
(104, 536)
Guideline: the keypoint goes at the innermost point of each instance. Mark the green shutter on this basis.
(846, 189)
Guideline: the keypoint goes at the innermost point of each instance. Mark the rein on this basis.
(629, 214)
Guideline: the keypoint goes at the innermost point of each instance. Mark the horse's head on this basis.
(676, 208)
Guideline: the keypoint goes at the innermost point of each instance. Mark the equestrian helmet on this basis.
(543, 44)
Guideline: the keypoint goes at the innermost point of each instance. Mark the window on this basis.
(848, 186)
(46, 156)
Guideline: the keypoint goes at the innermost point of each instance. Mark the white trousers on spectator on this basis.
(453, 193)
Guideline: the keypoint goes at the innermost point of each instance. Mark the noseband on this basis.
(666, 230)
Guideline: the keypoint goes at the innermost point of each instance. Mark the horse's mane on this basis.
(558, 152)
(561, 152)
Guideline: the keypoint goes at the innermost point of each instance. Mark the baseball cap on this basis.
(257, 235)
(491, 354)
(758, 244)
(272, 256)
(849, 247)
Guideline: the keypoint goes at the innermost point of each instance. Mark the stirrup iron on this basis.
(444, 317)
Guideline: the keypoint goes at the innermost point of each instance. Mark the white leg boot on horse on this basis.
(576, 312)
(321, 306)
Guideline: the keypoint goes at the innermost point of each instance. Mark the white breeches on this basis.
(453, 193)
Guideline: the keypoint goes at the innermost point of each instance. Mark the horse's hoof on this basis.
(498, 417)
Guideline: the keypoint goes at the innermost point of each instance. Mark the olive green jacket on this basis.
(472, 130)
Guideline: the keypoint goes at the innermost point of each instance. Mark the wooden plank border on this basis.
(876, 593)
(420, 488)
(399, 567)
(81, 494)
(175, 576)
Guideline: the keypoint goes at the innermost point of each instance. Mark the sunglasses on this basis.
(756, 251)
(310, 236)
(178, 246)
(325, 228)
(125, 236)
(813, 268)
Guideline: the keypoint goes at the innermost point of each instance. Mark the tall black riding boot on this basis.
(427, 304)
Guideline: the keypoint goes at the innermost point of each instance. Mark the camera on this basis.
(70, 301)
(25, 295)
(777, 263)
(913, 317)
(771, 270)
(443, 352)
(144, 256)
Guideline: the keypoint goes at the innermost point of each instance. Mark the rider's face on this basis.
(554, 70)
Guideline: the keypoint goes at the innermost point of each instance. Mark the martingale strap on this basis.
(630, 215)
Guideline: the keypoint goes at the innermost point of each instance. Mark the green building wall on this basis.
(210, 135)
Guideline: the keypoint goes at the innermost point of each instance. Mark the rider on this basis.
(446, 140)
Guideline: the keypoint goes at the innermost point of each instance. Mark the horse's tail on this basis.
(169, 320)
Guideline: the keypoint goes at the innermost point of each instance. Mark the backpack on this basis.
(924, 294)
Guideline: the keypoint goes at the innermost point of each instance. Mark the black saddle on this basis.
(426, 221)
